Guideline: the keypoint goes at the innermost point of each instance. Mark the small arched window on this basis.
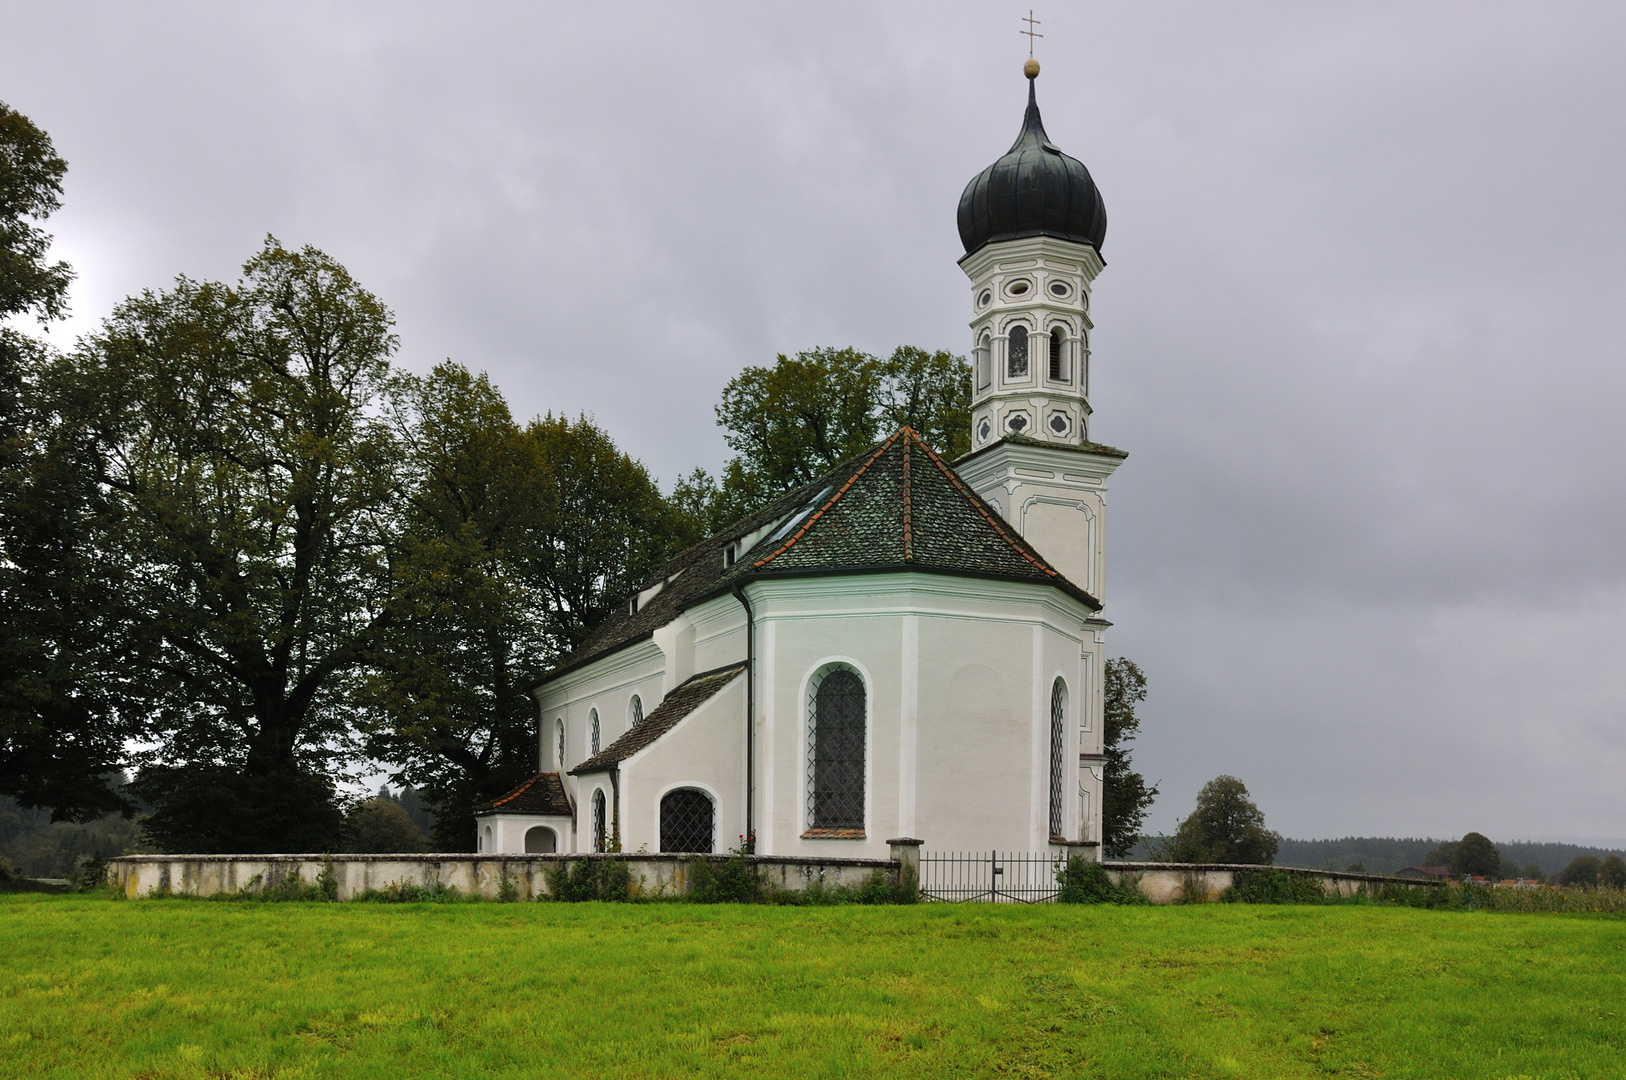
(635, 712)
(485, 839)
(687, 821)
(1058, 371)
(559, 748)
(1058, 752)
(1016, 353)
(592, 730)
(598, 820)
(835, 750)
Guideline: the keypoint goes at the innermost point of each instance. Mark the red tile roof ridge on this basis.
(517, 792)
(808, 524)
(981, 508)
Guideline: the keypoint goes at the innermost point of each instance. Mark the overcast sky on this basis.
(1361, 328)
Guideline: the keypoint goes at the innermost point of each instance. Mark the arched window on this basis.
(835, 750)
(687, 818)
(1016, 353)
(1057, 371)
(1058, 751)
(485, 839)
(598, 820)
(635, 712)
(592, 729)
(984, 374)
(559, 755)
(541, 840)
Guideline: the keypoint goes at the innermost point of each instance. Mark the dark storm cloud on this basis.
(1360, 328)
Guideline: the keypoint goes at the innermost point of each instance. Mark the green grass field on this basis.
(91, 987)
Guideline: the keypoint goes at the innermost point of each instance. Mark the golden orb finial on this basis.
(1031, 68)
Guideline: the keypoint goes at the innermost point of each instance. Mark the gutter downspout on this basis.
(750, 722)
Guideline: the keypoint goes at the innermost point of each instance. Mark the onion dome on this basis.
(1034, 190)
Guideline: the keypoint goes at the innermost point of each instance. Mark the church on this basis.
(907, 648)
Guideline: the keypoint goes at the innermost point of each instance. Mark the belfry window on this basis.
(835, 750)
(593, 731)
(1016, 350)
(1058, 751)
(598, 820)
(1058, 371)
(687, 817)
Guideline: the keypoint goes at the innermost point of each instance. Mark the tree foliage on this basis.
(1476, 856)
(1226, 827)
(790, 423)
(1126, 797)
(250, 479)
(31, 175)
(381, 824)
(1612, 873)
(1582, 871)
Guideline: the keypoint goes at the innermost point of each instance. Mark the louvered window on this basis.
(835, 751)
(1057, 371)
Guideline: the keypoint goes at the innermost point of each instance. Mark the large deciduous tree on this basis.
(1226, 827)
(61, 728)
(1126, 797)
(516, 542)
(250, 476)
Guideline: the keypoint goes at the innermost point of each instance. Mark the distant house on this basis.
(1425, 873)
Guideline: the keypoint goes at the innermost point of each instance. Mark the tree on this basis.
(1125, 797)
(61, 728)
(1476, 856)
(381, 824)
(791, 423)
(1444, 854)
(1534, 872)
(1582, 872)
(1612, 874)
(249, 513)
(515, 544)
(1226, 827)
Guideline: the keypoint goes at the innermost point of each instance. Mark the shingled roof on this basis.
(688, 697)
(895, 507)
(541, 794)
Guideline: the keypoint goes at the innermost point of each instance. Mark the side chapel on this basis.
(909, 647)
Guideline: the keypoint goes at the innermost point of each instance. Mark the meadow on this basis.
(93, 987)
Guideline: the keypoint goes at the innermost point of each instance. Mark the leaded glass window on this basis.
(559, 759)
(593, 730)
(1058, 751)
(635, 712)
(598, 820)
(1016, 353)
(835, 751)
(686, 821)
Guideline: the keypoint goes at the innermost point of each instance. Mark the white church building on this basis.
(909, 647)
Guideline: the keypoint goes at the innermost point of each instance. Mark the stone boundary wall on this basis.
(473, 875)
(1173, 883)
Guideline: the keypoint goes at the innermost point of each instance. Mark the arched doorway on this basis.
(541, 840)
(688, 821)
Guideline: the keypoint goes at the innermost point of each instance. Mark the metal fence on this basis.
(993, 877)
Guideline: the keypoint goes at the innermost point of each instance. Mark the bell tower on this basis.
(1032, 224)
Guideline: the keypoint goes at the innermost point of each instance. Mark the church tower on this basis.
(1032, 225)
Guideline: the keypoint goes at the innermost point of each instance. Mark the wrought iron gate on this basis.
(998, 877)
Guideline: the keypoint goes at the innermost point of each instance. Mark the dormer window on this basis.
(728, 555)
(1016, 353)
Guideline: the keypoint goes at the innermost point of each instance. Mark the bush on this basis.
(1612, 874)
(1273, 886)
(90, 875)
(734, 880)
(590, 879)
(401, 892)
(1086, 882)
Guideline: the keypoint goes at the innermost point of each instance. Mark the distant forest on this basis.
(1386, 854)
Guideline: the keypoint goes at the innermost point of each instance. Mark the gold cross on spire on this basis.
(1032, 22)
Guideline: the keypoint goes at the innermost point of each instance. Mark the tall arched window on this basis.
(984, 372)
(559, 749)
(635, 712)
(592, 730)
(835, 750)
(1058, 372)
(598, 820)
(1016, 353)
(687, 819)
(1058, 751)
